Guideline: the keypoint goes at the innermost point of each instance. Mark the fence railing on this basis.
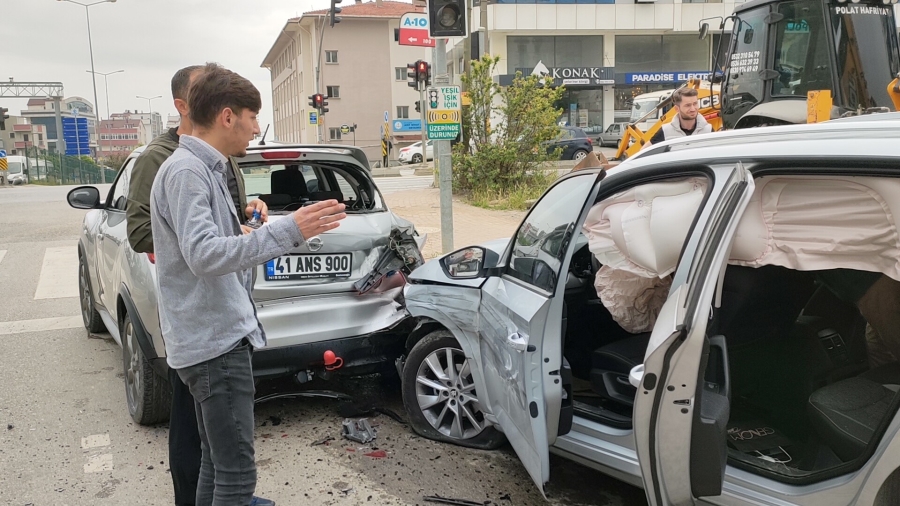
(47, 168)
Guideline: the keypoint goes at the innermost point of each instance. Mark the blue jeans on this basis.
(223, 395)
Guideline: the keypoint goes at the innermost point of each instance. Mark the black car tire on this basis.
(488, 439)
(417, 158)
(577, 152)
(150, 401)
(89, 314)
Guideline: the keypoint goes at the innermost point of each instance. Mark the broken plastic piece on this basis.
(322, 441)
(359, 430)
(377, 454)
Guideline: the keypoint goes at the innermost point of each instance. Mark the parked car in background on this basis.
(331, 293)
(665, 322)
(413, 152)
(612, 135)
(573, 143)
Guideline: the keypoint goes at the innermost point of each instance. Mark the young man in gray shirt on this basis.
(204, 265)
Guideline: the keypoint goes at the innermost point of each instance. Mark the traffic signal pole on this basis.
(424, 126)
(442, 152)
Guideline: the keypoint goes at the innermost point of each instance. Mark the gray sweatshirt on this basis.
(203, 261)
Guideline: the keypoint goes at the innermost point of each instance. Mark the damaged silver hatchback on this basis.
(331, 306)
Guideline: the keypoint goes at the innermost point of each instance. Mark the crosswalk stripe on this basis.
(40, 325)
(59, 274)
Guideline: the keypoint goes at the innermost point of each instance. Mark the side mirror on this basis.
(704, 30)
(84, 197)
(467, 263)
(748, 36)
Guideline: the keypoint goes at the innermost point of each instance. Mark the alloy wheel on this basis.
(133, 367)
(446, 395)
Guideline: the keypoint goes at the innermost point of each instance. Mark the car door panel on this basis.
(679, 418)
(519, 340)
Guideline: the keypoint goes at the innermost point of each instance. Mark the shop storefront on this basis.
(575, 62)
(649, 63)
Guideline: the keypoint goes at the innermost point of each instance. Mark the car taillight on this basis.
(151, 257)
(590, 142)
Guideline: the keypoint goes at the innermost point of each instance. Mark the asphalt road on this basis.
(68, 439)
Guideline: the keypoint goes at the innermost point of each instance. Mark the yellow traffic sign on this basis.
(443, 116)
(4, 165)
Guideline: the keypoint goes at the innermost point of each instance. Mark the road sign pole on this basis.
(445, 170)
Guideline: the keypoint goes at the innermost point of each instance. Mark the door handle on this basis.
(518, 342)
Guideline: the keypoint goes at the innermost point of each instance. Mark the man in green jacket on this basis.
(184, 435)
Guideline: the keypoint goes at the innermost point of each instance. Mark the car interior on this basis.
(804, 399)
(288, 187)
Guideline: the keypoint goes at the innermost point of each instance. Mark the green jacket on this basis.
(137, 210)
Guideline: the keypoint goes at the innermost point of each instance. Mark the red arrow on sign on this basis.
(413, 37)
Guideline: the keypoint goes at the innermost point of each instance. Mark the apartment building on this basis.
(22, 136)
(40, 111)
(362, 71)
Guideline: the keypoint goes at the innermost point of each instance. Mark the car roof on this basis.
(338, 150)
(870, 141)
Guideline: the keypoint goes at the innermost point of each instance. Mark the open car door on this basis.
(520, 325)
(682, 405)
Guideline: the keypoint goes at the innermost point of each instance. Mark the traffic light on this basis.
(412, 82)
(423, 72)
(418, 106)
(335, 10)
(3, 117)
(447, 18)
(318, 102)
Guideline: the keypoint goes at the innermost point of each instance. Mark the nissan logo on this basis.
(314, 244)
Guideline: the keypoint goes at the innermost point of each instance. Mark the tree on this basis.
(508, 128)
(115, 160)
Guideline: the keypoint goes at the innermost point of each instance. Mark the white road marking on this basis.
(2, 254)
(41, 325)
(99, 463)
(59, 274)
(94, 441)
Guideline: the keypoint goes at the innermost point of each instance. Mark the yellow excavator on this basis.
(792, 62)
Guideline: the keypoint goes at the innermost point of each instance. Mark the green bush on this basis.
(506, 159)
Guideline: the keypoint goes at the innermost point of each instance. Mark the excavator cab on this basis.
(782, 50)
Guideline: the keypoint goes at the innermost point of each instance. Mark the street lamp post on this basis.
(106, 84)
(150, 106)
(87, 13)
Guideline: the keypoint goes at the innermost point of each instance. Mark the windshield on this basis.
(867, 55)
(744, 88)
(801, 50)
(642, 107)
(15, 167)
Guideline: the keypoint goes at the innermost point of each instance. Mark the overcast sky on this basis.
(46, 40)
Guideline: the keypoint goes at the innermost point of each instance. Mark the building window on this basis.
(331, 57)
(334, 134)
(402, 112)
(400, 73)
(333, 91)
(25, 137)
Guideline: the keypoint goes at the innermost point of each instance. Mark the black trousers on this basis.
(184, 442)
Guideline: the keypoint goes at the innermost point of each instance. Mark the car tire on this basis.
(579, 155)
(417, 158)
(444, 420)
(147, 395)
(89, 314)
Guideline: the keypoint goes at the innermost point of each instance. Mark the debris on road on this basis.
(352, 410)
(377, 454)
(358, 430)
(447, 500)
(326, 394)
(322, 441)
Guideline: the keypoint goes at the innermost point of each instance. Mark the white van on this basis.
(17, 166)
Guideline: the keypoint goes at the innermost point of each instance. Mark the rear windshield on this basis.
(286, 187)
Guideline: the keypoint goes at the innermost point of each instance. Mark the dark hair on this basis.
(681, 93)
(181, 81)
(217, 88)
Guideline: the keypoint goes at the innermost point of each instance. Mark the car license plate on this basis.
(288, 267)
